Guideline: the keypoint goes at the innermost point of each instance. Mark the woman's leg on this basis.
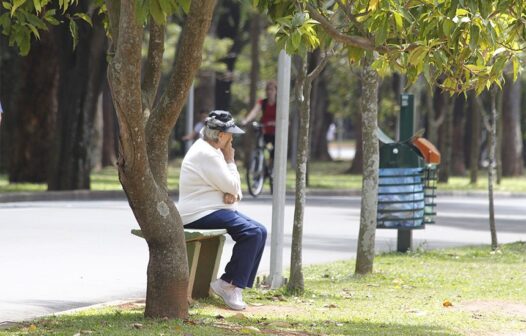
(250, 238)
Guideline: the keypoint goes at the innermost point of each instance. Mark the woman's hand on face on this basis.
(229, 198)
(228, 151)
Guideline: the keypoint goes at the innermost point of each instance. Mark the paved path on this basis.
(56, 256)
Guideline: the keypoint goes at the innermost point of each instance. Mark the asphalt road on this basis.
(56, 256)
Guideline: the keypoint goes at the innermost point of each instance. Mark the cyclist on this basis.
(266, 108)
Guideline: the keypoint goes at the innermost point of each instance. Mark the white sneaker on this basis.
(231, 295)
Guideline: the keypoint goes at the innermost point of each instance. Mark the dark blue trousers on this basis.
(250, 237)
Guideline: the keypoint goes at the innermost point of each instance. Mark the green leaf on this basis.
(38, 6)
(34, 30)
(157, 13)
(24, 42)
(355, 54)
(447, 26)
(498, 66)
(417, 55)
(73, 28)
(7, 5)
(398, 21)
(296, 39)
(474, 37)
(84, 17)
(16, 4)
(516, 67)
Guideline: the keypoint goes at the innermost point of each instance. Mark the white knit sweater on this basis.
(205, 177)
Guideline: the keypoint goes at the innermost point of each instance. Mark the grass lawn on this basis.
(322, 175)
(462, 291)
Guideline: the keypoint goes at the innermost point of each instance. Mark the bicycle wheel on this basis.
(256, 174)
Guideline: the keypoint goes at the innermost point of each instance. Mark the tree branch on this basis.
(483, 112)
(356, 41)
(152, 71)
(319, 68)
(187, 61)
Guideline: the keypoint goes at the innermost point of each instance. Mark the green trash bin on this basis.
(406, 188)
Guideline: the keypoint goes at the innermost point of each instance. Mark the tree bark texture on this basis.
(230, 25)
(474, 143)
(321, 118)
(369, 202)
(29, 99)
(109, 129)
(458, 165)
(144, 147)
(81, 74)
(491, 168)
(511, 149)
(296, 282)
(445, 142)
(357, 162)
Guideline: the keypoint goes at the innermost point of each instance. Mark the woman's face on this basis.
(271, 91)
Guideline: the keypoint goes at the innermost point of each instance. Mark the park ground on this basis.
(461, 291)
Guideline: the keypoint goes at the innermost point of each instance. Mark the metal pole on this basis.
(406, 131)
(276, 279)
(189, 117)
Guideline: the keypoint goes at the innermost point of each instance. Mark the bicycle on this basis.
(258, 167)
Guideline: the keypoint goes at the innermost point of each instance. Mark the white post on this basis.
(280, 171)
(189, 117)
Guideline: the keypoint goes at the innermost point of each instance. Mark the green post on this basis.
(406, 130)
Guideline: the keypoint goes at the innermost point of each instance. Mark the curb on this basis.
(101, 195)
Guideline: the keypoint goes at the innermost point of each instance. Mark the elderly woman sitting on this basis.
(209, 191)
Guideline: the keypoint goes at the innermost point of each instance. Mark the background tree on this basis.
(303, 91)
(466, 44)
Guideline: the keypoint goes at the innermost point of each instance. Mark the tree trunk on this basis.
(144, 147)
(109, 128)
(29, 91)
(511, 149)
(357, 162)
(446, 134)
(491, 168)
(304, 85)
(255, 32)
(490, 122)
(458, 165)
(81, 78)
(296, 283)
(229, 26)
(369, 203)
(474, 144)
(320, 117)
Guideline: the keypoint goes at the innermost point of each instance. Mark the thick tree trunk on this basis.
(229, 26)
(28, 96)
(81, 78)
(445, 143)
(321, 119)
(369, 203)
(357, 162)
(109, 128)
(511, 149)
(144, 147)
(458, 165)
(474, 143)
